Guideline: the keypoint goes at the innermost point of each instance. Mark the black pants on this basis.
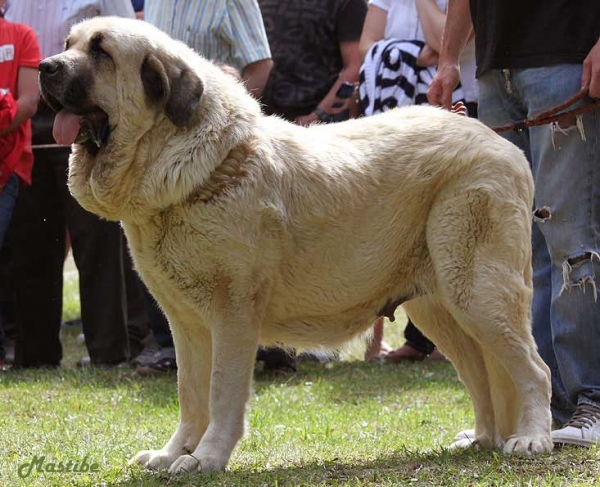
(417, 340)
(277, 358)
(138, 320)
(43, 211)
(157, 321)
(6, 298)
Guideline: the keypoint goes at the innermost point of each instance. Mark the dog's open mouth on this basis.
(91, 129)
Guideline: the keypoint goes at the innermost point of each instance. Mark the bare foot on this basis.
(436, 356)
(377, 351)
(405, 353)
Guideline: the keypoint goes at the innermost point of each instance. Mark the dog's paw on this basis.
(463, 444)
(191, 463)
(155, 459)
(528, 445)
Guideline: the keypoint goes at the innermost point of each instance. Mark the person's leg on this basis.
(8, 197)
(417, 346)
(417, 340)
(159, 357)
(158, 322)
(38, 242)
(7, 298)
(501, 103)
(376, 347)
(562, 408)
(98, 253)
(137, 316)
(277, 359)
(565, 159)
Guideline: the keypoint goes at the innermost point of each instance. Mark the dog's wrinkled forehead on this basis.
(108, 35)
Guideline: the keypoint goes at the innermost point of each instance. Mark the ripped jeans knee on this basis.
(578, 272)
(565, 127)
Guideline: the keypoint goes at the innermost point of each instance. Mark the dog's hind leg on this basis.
(193, 354)
(465, 354)
(481, 250)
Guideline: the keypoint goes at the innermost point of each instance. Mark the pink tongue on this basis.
(66, 127)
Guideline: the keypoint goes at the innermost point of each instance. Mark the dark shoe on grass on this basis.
(9, 351)
(147, 355)
(85, 362)
(162, 362)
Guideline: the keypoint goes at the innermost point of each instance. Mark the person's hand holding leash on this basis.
(457, 32)
(443, 84)
(591, 71)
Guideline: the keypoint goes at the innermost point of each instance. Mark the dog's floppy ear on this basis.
(176, 86)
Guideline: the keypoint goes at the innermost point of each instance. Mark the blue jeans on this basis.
(565, 161)
(8, 198)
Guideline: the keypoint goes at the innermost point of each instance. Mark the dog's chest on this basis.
(173, 259)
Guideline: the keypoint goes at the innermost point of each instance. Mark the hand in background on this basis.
(591, 72)
(305, 120)
(427, 57)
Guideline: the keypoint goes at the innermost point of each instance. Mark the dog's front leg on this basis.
(193, 347)
(235, 342)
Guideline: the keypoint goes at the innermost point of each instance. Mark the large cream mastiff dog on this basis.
(248, 229)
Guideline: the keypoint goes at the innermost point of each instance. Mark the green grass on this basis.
(349, 423)
(71, 306)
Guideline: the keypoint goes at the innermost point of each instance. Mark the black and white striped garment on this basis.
(390, 77)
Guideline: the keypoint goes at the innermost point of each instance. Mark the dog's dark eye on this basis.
(96, 47)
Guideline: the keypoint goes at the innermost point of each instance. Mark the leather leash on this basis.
(554, 114)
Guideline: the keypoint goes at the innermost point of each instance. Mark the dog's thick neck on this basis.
(165, 165)
(208, 158)
(226, 176)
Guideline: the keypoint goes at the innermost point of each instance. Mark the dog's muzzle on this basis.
(77, 121)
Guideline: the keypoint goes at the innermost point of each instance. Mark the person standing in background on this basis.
(138, 7)
(19, 96)
(46, 208)
(400, 45)
(533, 56)
(316, 62)
(229, 32)
(315, 54)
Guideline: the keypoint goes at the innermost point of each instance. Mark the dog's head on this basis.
(110, 66)
(123, 90)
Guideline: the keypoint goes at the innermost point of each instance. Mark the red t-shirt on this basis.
(18, 48)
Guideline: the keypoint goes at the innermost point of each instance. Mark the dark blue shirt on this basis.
(138, 5)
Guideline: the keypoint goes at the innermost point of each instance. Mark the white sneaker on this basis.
(583, 429)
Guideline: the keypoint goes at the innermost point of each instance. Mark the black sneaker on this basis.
(163, 361)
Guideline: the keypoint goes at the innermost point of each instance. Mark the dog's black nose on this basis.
(49, 66)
